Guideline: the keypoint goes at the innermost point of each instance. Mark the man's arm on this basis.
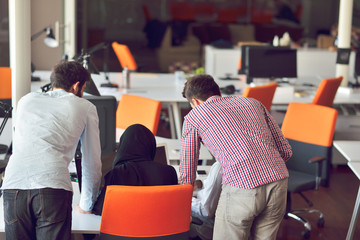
(207, 198)
(189, 154)
(281, 142)
(91, 161)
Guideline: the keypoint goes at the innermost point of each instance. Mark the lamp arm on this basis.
(7, 109)
(36, 35)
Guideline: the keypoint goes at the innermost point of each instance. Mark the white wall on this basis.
(45, 13)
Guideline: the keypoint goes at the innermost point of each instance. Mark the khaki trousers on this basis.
(257, 212)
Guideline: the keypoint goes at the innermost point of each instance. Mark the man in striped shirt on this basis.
(241, 135)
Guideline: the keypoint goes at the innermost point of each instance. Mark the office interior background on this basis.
(126, 21)
(134, 22)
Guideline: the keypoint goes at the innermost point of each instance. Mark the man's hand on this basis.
(79, 209)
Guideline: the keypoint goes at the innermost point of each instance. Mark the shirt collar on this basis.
(59, 93)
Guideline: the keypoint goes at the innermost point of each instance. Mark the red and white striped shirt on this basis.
(242, 135)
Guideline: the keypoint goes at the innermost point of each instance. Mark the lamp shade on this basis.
(50, 40)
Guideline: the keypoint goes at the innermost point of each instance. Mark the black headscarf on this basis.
(137, 144)
(133, 164)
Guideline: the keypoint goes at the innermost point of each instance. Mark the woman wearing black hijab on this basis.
(133, 164)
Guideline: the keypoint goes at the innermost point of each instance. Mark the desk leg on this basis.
(171, 120)
(354, 218)
(177, 119)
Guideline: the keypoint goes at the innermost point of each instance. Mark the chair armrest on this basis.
(318, 160)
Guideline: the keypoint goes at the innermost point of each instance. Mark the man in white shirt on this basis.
(37, 189)
(203, 206)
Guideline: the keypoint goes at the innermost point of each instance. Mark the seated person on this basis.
(133, 164)
(203, 206)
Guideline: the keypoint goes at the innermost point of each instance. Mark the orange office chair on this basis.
(124, 56)
(309, 129)
(5, 82)
(141, 212)
(326, 91)
(264, 94)
(134, 109)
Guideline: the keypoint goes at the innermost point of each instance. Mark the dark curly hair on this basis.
(201, 87)
(67, 73)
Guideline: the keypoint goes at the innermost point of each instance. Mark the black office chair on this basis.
(309, 129)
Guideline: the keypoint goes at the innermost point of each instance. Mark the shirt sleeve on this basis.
(189, 153)
(282, 143)
(91, 161)
(204, 205)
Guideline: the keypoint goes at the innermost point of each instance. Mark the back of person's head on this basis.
(201, 87)
(67, 73)
(137, 143)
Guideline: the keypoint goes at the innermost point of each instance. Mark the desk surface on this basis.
(355, 167)
(173, 146)
(163, 87)
(349, 149)
(88, 223)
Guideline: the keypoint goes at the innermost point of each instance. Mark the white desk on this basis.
(164, 88)
(161, 87)
(202, 177)
(355, 167)
(81, 223)
(310, 62)
(350, 150)
(173, 146)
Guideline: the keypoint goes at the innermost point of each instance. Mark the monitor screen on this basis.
(161, 155)
(357, 65)
(268, 62)
(106, 108)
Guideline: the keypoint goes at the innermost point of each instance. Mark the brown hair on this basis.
(201, 87)
(67, 73)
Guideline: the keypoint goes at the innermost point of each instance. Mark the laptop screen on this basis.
(161, 155)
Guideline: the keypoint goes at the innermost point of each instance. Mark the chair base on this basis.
(306, 233)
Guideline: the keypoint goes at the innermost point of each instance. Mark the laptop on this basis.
(161, 155)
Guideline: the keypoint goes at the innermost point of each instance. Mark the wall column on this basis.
(344, 37)
(20, 49)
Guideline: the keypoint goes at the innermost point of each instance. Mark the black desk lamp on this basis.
(49, 41)
(7, 110)
(85, 60)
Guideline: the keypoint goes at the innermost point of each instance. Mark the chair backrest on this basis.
(146, 211)
(326, 91)
(134, 109)
(124, 56)
(5, 83)
(263, 93)
(309, 129)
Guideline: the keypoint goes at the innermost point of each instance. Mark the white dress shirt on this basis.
(48, 127)
(204, 205)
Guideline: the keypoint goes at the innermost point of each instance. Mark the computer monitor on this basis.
(106, 109)
(91, 88)
(161, 155)
(357, 70)
(268, 62)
